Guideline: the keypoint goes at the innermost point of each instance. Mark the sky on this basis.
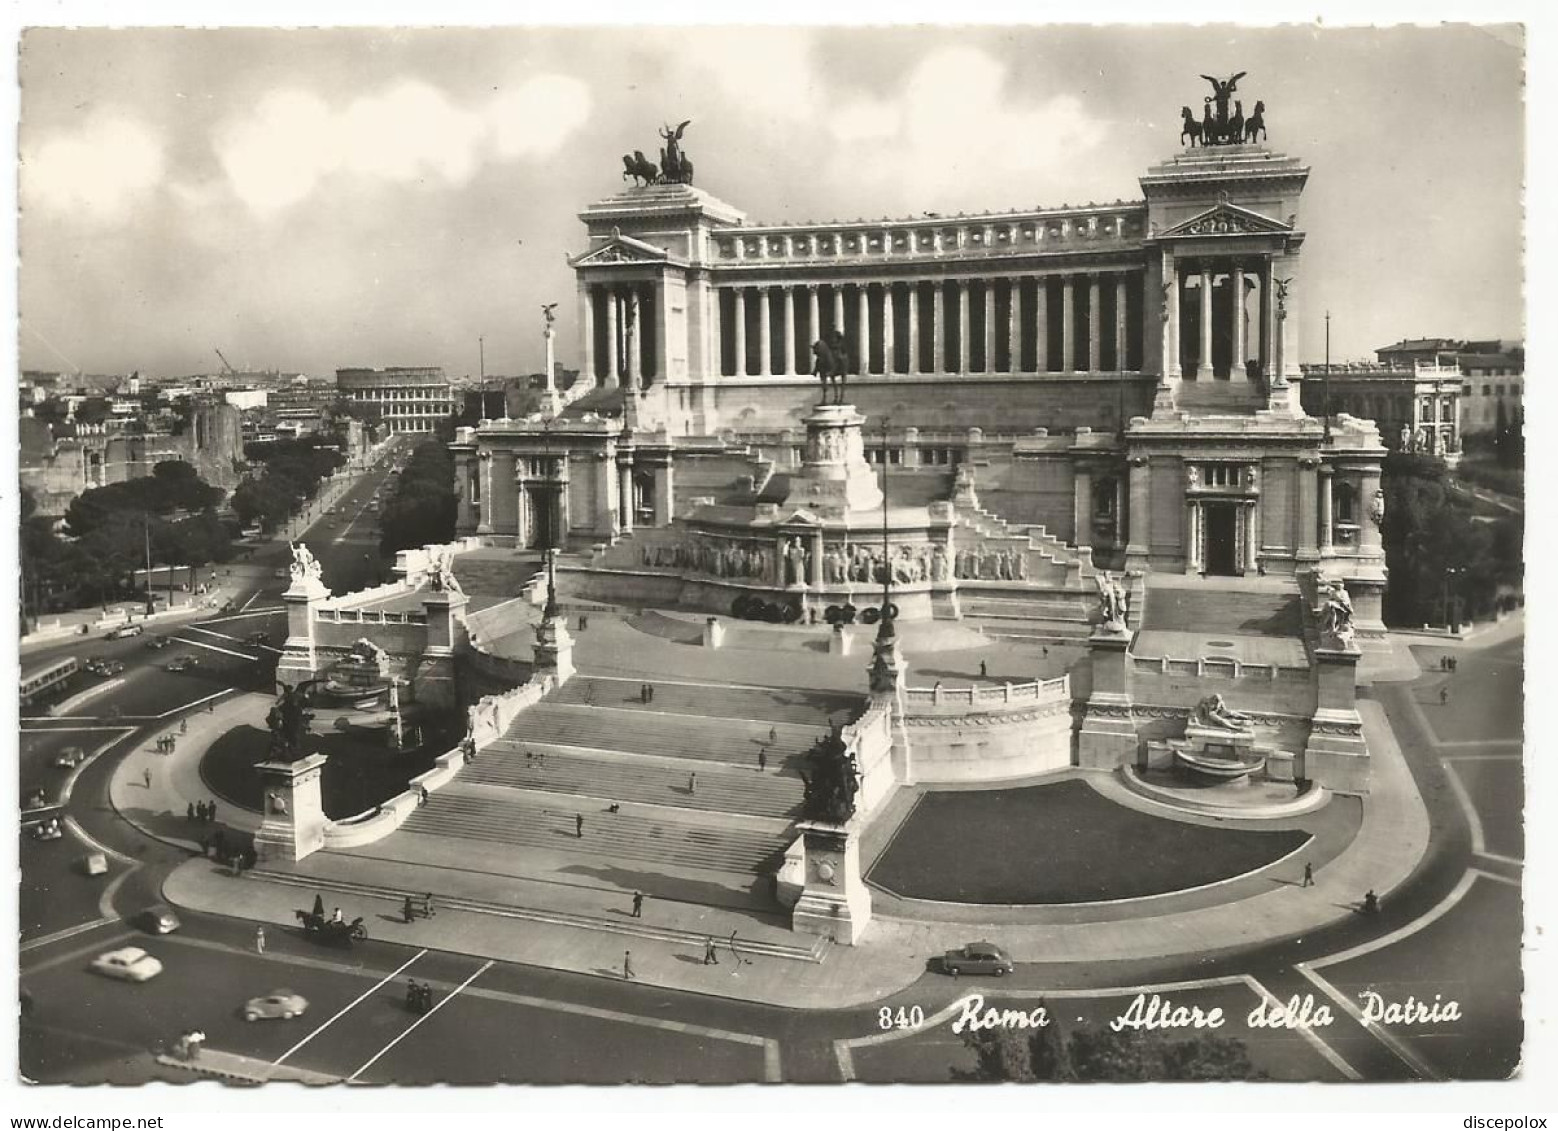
(314, 199)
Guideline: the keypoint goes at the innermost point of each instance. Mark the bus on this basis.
(44, 682)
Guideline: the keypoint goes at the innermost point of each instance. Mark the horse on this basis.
(1190, 127)
(1208, 125)
(1236, 124)
(639, 167)
(832, 364)
(1256, 123)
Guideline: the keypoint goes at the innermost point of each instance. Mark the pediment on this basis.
(1225, 219)
(622, 249)
(800, 518)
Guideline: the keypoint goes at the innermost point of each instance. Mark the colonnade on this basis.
(1208, 319)
(1019, 324)
(621, 325)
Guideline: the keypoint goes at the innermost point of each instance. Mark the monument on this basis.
(293, 823)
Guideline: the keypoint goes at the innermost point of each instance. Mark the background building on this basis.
(410, 398)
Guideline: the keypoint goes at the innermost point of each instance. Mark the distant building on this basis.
(1415, 404)
(299, 406)
(1495, 391)
(410, 398)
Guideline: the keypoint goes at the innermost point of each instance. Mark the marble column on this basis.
(1172, 367)
(989, 320)
(1138, 519)
(1122, 353)
(1014, 326)
(1239, 358)
(765, 331)
(1204, 361)
(1325, 506)
(1252, 537)
(963, 294)
(863, 324)
(741, 331)
(1263, 332)
(938, 323)
(813, 317)
(631, 338)
(1041, 324)
(914, 327)
(889, 331)
(1068, 326)
(787, 328)
(612, 371)
(625, 493)
(587, 333)
(484, 504)
(1308, 510)
(838, 307)
(1193, 537)
(1082, 508)
(1095, 325)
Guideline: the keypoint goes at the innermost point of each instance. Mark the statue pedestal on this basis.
(294, 821)
(834, 902)
(299, 661)
(1108, 735)
(435, 675)
(554, 648)
(1336, 755)
(835, 478)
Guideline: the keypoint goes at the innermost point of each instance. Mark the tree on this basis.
(423, 508)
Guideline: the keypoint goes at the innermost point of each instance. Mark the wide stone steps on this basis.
(1040, 605)
(692, 737)
(646, 836)
(635, 778)
(770, 705)
(1032, 629)
(636, 928)
(1210, 610)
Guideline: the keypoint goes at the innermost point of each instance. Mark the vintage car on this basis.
(70, 757)
(128, 963)
(125, 630)
(977, 958)
(158, 919)
(279, 1003)
(157, 643)
(181, 663)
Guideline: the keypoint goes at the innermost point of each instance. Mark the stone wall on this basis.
(983, 733)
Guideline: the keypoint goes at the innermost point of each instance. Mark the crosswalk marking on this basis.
(443, 1001)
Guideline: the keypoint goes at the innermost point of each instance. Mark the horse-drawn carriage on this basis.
(331, 930)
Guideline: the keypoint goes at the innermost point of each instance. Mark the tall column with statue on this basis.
(552, 399)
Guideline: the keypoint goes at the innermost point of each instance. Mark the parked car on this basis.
(280, 1003)
(104, 667)
(48, 830)
(125, 630)
(157, 643)
(128, 963)
(159, 919)
(70, 757)
(977, 958)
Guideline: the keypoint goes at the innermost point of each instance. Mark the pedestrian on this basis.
(189, 811)
(710, 958)
(184, 725)
(1046, 651)
(1444, 697)
(651, 688)
(983, 669)
(762, 758)
(259, 940)
(146, 777)
(211, 811)
(1309, 874)
(627, 965)
(773, 735)
(578, 826)
(210, 707)
(421, 795)
(427, 906)
(643, 693)
(692, 784)
(1455, 662)
(613, 808)
(638, 905)
(409, 913)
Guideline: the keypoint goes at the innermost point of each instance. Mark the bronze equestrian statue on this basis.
(1189, 127)
(1256, 124)
(1222, 94)
(640, 168)
(831, 364)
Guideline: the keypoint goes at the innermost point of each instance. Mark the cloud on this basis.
(282, 151)
(955, 117)
(96, 173)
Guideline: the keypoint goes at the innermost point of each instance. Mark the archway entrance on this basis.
(1222, 549)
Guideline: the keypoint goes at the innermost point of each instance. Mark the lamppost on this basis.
(1452, 621)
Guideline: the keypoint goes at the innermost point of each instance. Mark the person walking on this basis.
(627, 965)
(651, 688)
(984, 669)
(146, 777)
(1444, 697)
(1309, 874)
(184, 725)
(259, 940)
(578, 826)
(773, 735)
(189, 811)
(692, 784)
(638, 905)
(762, 758)
(408, 912)
(710, 958)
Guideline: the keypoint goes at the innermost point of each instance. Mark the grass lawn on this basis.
(1059, 843)
(360, 774)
